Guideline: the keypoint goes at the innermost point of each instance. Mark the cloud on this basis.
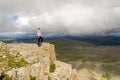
(75, 17)
(20, 22)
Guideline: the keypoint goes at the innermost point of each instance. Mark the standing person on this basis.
(40, 39)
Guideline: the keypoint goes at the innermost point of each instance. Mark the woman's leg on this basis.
(41, 39)
(38, 41)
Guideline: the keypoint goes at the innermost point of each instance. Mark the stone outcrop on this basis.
(36, 63)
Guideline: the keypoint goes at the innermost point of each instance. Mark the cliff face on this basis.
(22, 61)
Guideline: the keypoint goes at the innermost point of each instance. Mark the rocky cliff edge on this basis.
(23, 61)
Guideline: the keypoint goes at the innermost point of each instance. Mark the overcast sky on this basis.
(77, 17)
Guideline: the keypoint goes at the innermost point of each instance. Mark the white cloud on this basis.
(22, 21)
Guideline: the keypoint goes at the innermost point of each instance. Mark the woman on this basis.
(40, 39)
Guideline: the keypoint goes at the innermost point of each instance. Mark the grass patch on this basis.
(32, 77)
(107, 76)
(49, 78)
(52, 67)
(13, 63)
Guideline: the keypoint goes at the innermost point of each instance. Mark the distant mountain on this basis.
(106, 40)
(100, 40)
(18, 36)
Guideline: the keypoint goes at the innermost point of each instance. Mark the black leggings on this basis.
(40, 40)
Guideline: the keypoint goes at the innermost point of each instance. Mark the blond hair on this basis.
(38, 28)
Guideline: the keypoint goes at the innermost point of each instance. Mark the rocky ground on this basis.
(22, 61)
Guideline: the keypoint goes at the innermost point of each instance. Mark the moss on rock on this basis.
(52, 67)
(7, 61)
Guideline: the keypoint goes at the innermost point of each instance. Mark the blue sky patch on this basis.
(14, 18)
